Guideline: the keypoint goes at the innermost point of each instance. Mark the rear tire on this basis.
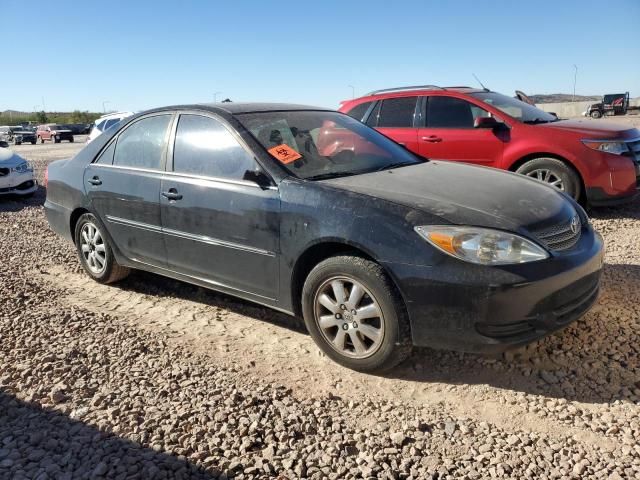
(553, 172)
(71, 140)
(40, 139)
(355, 315)
(95, 251)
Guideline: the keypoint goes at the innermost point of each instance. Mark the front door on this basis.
(219, 228)
(124, 188)
(449, 133)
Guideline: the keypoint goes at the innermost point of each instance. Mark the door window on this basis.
(450, 112)
(142, 144)
(204, 146)
(358, 111)
(397, 112)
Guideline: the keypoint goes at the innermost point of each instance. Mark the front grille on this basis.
(560, 236)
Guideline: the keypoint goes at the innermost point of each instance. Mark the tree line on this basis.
(17, 118)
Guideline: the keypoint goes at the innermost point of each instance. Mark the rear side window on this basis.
(204, 146)
(358, 111)
(142, 144)
(449, 112)
(100, 125)
(397, 112)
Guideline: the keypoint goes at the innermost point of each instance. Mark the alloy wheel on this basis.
(349, 317)
(547, 176)
(93, 248)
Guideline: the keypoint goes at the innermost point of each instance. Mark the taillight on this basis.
(46, 176)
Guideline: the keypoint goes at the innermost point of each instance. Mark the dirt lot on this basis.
(153, 378)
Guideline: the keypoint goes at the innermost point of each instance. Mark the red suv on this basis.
(593, 161)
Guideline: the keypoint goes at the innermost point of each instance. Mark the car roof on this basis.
(242, 107)
(421, 90)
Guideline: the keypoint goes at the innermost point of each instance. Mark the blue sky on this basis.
(141, 54)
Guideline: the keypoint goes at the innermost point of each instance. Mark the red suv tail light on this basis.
(46, 176)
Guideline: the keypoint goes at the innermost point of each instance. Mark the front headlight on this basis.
(482, 245)
(614, 147)
(23, 168)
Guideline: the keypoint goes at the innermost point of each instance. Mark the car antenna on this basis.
(478, 80)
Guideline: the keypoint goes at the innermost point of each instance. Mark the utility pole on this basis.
(575, 78)
(104, 108)
(44, 107)
(353, 91)
(215, 97)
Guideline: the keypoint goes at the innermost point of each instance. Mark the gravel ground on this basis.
(153, 378)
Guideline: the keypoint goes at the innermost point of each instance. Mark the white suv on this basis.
(105, 122)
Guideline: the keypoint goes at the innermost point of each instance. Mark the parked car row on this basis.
(316, 214)
(17, 134)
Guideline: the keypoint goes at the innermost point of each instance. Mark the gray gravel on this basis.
(89, 392)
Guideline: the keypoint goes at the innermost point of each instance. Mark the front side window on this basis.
(450, 112)
(142, 144)
(515, 108)
(204, 146)
(397, 112)
(317, 145)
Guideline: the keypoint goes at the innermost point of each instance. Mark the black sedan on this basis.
(312, 213)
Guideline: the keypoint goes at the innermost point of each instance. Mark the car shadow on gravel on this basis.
(594, 360)
(627, 211)
(151, 284)
(15, 203)
(36, 441)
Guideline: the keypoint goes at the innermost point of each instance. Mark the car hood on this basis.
(466, 195)
(9, 159)
(594, 129)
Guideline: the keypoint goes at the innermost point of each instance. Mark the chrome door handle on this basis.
(95, 181)
(172, 194)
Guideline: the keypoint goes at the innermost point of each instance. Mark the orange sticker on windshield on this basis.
(284, 153)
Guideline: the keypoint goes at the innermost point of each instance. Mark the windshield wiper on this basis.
(325, 176)
(393, 165)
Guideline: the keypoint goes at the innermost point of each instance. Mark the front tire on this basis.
(71, 140)
(95, 251)
(596, 114)
(355, 315)
(553, 172)
(40, 139)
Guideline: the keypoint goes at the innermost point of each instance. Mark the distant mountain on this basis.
(564, 97)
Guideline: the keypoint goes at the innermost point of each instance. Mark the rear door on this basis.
(397, 118)
(123, 185)
(449, 132)
(218, 227)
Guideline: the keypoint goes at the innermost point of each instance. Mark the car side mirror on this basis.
(258, 177)
(487, 122)
(553, 113)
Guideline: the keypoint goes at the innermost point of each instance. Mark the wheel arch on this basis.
(73, 221)
(316, 253)
(531, 156)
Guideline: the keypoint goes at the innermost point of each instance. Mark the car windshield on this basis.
(57, 127)
(318, 145)
(515, 108)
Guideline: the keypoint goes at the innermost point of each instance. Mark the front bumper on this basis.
(18, 184)
(471, 308)
(24, 138)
